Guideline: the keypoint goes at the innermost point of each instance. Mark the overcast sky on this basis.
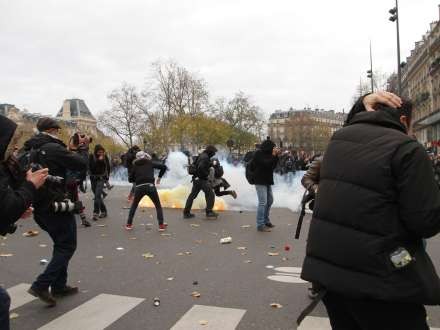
(282, 53)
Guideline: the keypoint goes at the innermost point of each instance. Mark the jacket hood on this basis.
(267, 146)
(386, 117)
(140, 161)
(40, 139)
(7, 129)
(211, 150)
(98, 147)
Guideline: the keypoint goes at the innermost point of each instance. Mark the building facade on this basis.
(307, 129)
(421, 84)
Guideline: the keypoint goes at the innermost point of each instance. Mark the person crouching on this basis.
(142, 175)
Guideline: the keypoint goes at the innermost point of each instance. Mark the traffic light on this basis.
(393, 12)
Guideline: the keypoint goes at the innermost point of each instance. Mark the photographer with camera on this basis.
(17, 191)
(54, 212)
(99, 167)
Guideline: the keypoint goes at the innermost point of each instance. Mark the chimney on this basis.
(66, 109)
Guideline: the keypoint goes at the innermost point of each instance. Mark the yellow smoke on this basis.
(175, 198)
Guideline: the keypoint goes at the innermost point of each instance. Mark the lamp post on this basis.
(395, 18)
(370, 72)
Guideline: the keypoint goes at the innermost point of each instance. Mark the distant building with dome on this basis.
(76, 110)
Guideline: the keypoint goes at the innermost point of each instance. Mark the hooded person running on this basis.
(142, 175)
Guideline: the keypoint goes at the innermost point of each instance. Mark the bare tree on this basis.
(127, 116)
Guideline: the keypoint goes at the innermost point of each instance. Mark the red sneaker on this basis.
(163, 227)
(128, 227)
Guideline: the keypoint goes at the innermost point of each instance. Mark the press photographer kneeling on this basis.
(17, 191)
(54, 211)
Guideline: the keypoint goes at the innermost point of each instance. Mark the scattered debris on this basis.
(6, 255)
(180, 254)
(203, 322)
(194, 225)
(245, 226)
(276, 305)
(198, 241)
(126, 207)
(248, 261)
(241, 248)
(156, 302)
(284, 259)
(99, 257)
(133, 238)
(195, 283)
(195, 294)
(215, 234)
(287, 247)
(103, 225)
(188, 253)
(272, 246)
(270, 267)
(273, 254)
(104, 235)
(226, 240)
(42, 245)
(240, 211)
(244, 253)
(165, 234)
(148, 255)
(119, 248)
(31, 233)
(170, 279)
(43, 262)
(13, 316)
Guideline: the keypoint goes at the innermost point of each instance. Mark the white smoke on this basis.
(287, 190)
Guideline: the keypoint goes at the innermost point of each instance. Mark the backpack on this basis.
(250, 170)
(192, 166)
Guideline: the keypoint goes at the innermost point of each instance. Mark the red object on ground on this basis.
(286, 247)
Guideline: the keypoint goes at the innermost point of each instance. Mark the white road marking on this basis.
(19, 295)
(321, 323)
(287, 275)
(218, 318)
(95, 314)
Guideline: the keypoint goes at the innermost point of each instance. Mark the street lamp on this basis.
(395, 18)
(370, 72)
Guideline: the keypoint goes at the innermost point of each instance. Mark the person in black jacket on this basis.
(264, 162)
(61, 226)
(127, 161)
(17, 191)
(200, 182)
(142, 175)
(373, 211)
(99, 168)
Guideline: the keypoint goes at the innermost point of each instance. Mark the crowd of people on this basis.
(375, 202)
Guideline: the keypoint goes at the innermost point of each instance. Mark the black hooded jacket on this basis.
(264, 164)
(204, 162)
(143, 171)
(15, 196)
(99, 168)
(376, 194)
(58, 160)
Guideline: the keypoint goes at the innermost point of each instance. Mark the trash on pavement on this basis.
(245, 226)
(99, 257)
(203, 322)
(194, 225)
(13, 316)
(195, 283)
(273, 254)
(276, 305)
(226, 240)
(119, 248)
(241, 248)
(195, 294)
(31, 233)
(43, 261)
(148, 255)
(156, 302)
(287, 247)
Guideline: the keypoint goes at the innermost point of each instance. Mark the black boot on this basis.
(44, 295)
(211, 214)
(188, 215)
(64, 292)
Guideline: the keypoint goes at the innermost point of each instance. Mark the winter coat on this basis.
(99, 168)
(58, 160)
(15, 197)
(264, 163)
(143, 171)
(203, 165)
(376, 194)
(310, 180)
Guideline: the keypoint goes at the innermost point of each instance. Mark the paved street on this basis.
(120, 273)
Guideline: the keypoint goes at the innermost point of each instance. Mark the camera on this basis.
(67, 206)
(9, 230)
(51, 178)
(77, 136)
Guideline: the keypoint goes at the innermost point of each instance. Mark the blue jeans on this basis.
(5, 303)
(265, 201)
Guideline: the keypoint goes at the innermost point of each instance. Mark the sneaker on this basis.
(103, 215)
(44, 295)
(85, 223)
(234, 194)
(95, 216)
(269, 224)
(188, 215)
(211, 214)
(128, 227)
(264, 229)
(64, 292)
(110, 187)
(163, 227)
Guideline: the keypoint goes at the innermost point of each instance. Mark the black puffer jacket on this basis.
(15, 196)
(204, 162)
(264, 163)
(143, 171)
(58, 160)
(376, 194)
